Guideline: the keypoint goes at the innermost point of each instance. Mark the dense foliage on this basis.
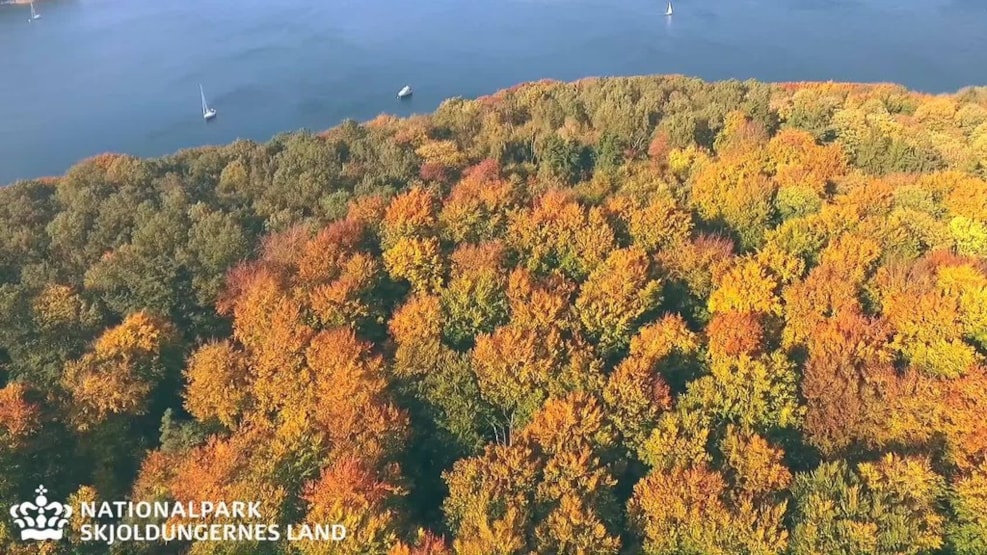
(636, 315)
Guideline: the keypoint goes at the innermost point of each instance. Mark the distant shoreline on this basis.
(118, 76)
(4, 2)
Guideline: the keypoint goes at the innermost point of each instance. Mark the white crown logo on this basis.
(41, 520)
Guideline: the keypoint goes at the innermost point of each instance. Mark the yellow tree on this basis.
(737, 192)
(413, 214)
(747, 287)
(476, 297)
(488, 507)
(321, 258)
(759, 393)
(242, 466)
(615, 297)
(356, 497)
(636, 393)
(928, 322)
(19, 417)
(217, 377)
(886, 507)
(478, 207)
(349, 299)
(439, 377)
(575, 489)
(345, 401)
(844, 354)
(755, 468)
(740, 134)
(684, 505)
(270, 325)
(537, 353)
(797, 160)
(424, 543)
(698, 264)
(559, 233)
(830, 289)
(443, 156)
(964, 419)
(125, 365)
(680, 511)
(967, 531)
(416, 327)
(659, 225)
(733, 334)
(514, 367)
(420, 262)
(546, 491)
(21, 421)
(306, 405)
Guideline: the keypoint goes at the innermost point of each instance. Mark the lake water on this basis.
(117, 75)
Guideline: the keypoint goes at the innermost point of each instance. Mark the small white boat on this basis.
(669, 10)
(207, 112)
(405, 92)
(34, 13)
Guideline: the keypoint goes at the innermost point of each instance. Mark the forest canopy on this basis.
(626, 315)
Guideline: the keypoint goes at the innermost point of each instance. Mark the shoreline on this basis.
(852, 85)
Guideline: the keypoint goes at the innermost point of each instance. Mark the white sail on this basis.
(669, 10)
(34, 13)
(207, 112)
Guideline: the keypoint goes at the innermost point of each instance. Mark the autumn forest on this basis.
(628, 315)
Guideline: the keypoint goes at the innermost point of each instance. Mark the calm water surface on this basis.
(114, 75)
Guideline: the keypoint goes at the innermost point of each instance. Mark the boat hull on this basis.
(209, 115)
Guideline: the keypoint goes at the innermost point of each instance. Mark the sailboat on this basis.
(207, 112)
(34, 13)
(405, 92)
(669, 10)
